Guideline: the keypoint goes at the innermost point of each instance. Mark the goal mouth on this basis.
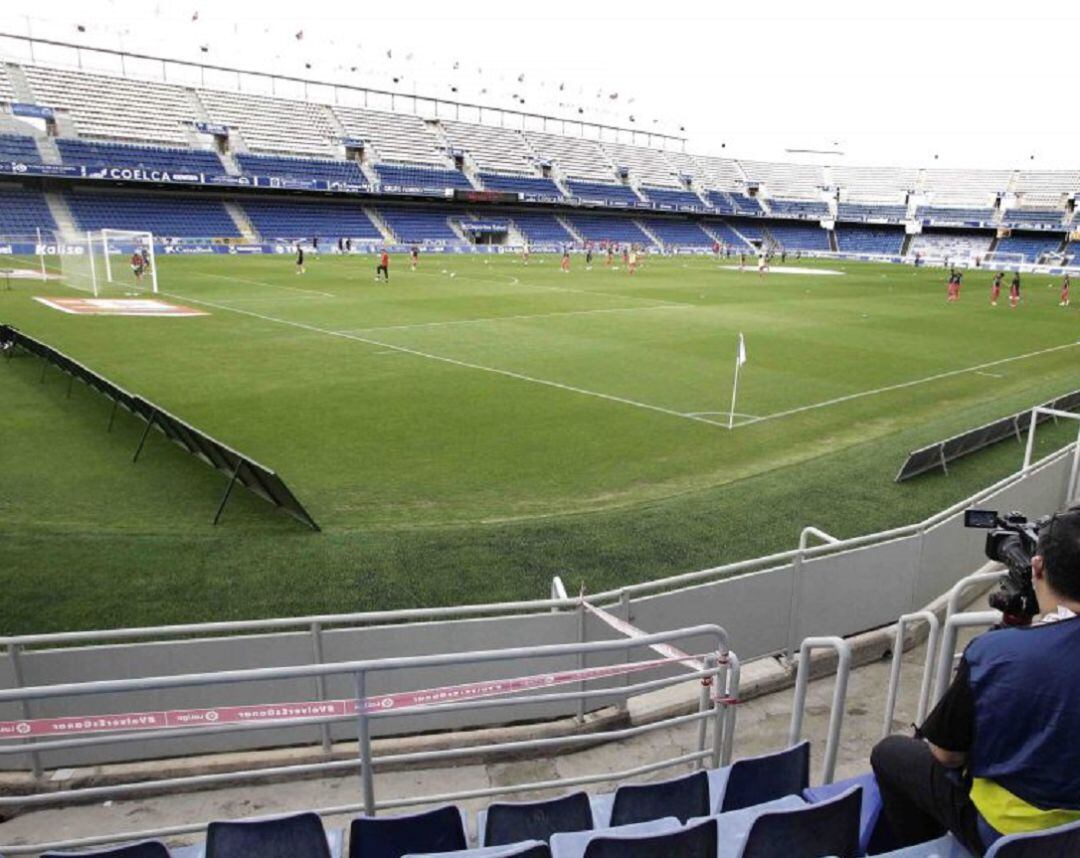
(110, 262)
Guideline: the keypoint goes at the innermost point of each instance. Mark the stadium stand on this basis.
(1042, 217)
(678, 233)
(719, 173)
(737, 232)
(269, 124)
(161, 214)
(964, 187)
(1049, 183)
(871, 211)
(575, 157)
(540, 227)
(1032, 245)
(492, 149)
(6, 91)
(874, 184)
(796, 236)
(645, 166)
(734, 203)
(599, 227)
(115, 108)
(939, 214)
(603, 193)
(805, 209)
(394, 136)
(20, 148)
(420, 225)
(790, 181)
(672, 198)
(301, 168)
(22, 211)
(852, 238)
(537, 186)
(99, 155)
(958, 246)
(1072, 251)
(292, 219)
(418, 178)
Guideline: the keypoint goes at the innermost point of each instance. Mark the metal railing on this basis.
(718, 673)
(930, 618)
(839, 698)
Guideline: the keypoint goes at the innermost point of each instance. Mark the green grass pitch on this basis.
(472, 428)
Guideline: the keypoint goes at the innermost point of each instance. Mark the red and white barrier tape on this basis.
(633, 632)
(171, 719)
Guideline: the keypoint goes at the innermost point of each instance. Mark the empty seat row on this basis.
(537, 186)
(19, 147)
(173, 159)
(324, 169)
(289, 219)
(23, 211)
(602, 192)
(161, 214)
(420, 178)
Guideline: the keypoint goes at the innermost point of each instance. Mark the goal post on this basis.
(127, 243)
(101, 262)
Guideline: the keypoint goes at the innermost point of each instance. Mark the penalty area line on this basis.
(659, 409)
(913, 383)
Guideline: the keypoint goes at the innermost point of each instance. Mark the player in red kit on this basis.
(995, 288)
(1064, 302)
(565, 264)
(1014, 291)
(137, 266)
(383, 268)
(415, 254)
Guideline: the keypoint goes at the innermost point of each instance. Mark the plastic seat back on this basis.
(298, 836)
(438, 830)
(142, 849)
(826, 828)
(697, 841)
(538, 820)
(1060, 842)
(756, 780)
(683, 798)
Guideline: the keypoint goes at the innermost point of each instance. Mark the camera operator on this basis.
(1000, 753)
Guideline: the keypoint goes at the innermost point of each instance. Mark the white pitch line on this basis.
(311, 293)
(452, 361)
(913, 383)
(991, 374)
(513, 318)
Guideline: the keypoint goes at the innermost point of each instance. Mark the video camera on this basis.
(1011, 541)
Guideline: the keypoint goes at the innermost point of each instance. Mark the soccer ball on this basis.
(452, 274)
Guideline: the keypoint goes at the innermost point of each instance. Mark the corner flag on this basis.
(740, 359)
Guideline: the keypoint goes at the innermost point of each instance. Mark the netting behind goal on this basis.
(111, 262)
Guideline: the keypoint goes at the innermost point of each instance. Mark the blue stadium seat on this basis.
(438, 830)
(871, 803)
(827, 828)
(943, 847)
(1032, 245)
(600, 192)
(534, 186)
(608, 228)
(419, 178)
(684, 798)
(541, 228)
(23, 211)
(415, 226)
(161, 214)
(731, 202)
(856, 238)
(673, 198)
(298, 836)
(676, 232)
(871, 211)
(800, 208)
(143, 849)
(274, 217)
(305, 169)
(21, 148)
(525, 849)
(1048, 217)
(573, 844)
(1060, 842)
(697, 841)
(755, 780)
(507, 822)
(943, 214)
(173, 159)
(791, 235)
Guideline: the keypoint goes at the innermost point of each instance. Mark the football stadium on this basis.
(390, 470)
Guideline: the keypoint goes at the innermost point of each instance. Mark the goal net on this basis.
(111, 262)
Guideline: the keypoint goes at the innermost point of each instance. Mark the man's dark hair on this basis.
(1059, 545)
